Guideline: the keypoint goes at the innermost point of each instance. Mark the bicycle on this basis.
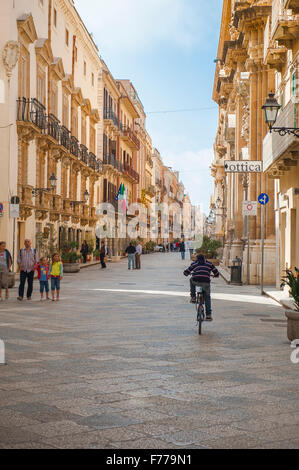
(200, 307)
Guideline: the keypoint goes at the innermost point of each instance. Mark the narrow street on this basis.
(111, 368)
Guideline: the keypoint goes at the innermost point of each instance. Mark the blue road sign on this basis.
(1, 207)
(263, 199)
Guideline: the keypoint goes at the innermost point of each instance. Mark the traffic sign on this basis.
(1, 209)
(243, 166)
(263, 199)
(14, 211)
(249, 208)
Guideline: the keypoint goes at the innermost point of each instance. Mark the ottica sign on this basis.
(243, 166)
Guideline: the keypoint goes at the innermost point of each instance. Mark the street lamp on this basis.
(271, 108)
(86, 198)
(53, 183)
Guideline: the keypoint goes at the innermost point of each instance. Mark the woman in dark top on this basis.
(84, 251)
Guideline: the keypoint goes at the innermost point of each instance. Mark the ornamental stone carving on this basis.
(244, 95)
(10, 56)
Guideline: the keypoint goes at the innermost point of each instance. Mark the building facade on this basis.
(243, 80)
(50, 104)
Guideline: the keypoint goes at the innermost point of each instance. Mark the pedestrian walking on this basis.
(138, 255)
(103, 253)
(182, 249)
(56, 273)
(84, 251)
(43, 277)
(131, 250)
(27, 261)
(5, 265)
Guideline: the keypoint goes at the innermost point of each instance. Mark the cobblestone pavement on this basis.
(120, 369)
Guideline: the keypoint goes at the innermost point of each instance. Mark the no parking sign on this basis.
(249, 208)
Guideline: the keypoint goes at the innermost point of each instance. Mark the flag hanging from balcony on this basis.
(122, 197)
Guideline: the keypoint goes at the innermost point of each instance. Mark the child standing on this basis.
(56, 273)
(43, 276)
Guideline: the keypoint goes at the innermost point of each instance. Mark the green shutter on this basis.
(293, 83)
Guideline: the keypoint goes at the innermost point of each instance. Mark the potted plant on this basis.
(292, 280)
(209, 249)
(70, 257)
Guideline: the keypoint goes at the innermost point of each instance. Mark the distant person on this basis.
(103, 253)
(182, 249)
(43, 277)
(84, 251)
(131, 250)
(56, 273)
(177, 246)
(27, 261)
(5, 265)
(138, 255)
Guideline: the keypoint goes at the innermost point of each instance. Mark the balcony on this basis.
(33, 122)
(111, 162)
(274, 54)
(132, 174)
(280, 153)
(284, 26)
(42, 205)
(111, 119)
(55, 207)
(31, 117)
(149, 161)
(53, 127)
(65, 138)
(94, 163)
(130, 137)
(84, 154)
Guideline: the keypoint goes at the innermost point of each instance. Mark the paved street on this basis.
(118, 364)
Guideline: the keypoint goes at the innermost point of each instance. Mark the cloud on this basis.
(194, 168)
(133, 25)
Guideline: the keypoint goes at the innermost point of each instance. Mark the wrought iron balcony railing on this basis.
(31, 110)
(109, 114)
(130, 172)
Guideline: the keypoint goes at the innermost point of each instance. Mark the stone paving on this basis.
(110, 368)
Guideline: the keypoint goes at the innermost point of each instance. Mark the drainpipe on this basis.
(73, 81)
(49, 38)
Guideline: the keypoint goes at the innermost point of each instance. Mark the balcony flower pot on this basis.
(293, 324)
(71, 267)
(292, 281)
(70, 258)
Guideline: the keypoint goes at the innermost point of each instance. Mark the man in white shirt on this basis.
(138, 255)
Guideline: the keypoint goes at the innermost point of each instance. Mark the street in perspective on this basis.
(149, 261)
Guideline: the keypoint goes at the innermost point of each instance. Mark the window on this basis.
(83, 129)
(53, 98)
(76, 54)
(92, 139)
(85, 67)
(41, 88)
(55, 17)
(92, 79)
(67, 37)
(65, 111)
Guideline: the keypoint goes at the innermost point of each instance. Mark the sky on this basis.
(167, 49)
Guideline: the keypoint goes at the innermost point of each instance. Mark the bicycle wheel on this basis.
(200, 315)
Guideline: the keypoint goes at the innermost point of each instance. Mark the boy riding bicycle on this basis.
(201, 271)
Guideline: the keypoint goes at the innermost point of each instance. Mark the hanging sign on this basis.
(243, 166)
